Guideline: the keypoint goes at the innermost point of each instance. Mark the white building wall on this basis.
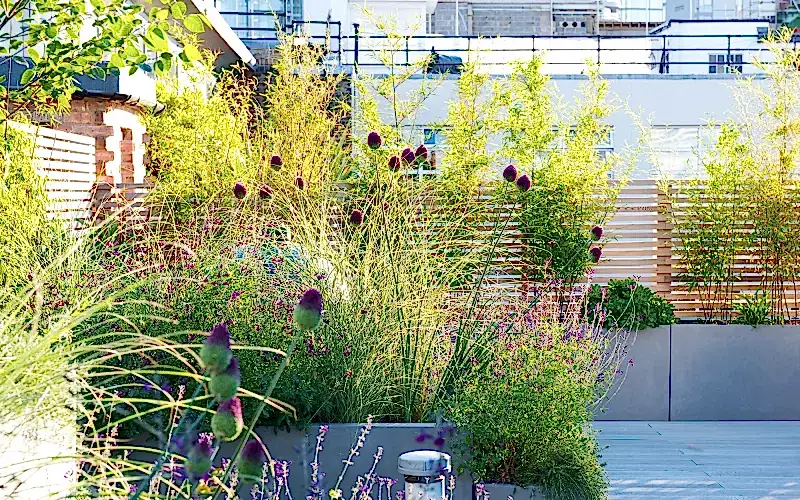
(675, 107)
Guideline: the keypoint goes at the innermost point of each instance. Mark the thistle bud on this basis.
(198, 461)
(227, 422)
(216, 352)
(251, 461)
(225, 384)
(308, 312)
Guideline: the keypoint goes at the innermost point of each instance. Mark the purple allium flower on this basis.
(421, 153)
(408, 156)
(308, 312)
(438, 442)
(227, 422)
(394, 163)
(510, 173)
(264, 192)
(216, 351)
(198, 461)
(300, 183)
(225, 384)
(597, 232)
(524, 183)
(251, 461)
(422, 436)
(356, 217)
(595, 253)
(374, 140)
(239, 190)
(276, 162)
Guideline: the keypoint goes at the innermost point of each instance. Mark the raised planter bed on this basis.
(710, 372)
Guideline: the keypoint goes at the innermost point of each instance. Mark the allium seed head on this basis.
(239, 190)
(408, 156)
(225, 384)
(227, 422)
(216, 351)
(276, 162)
(374, 140)
(510, 173)
(308, 312)
(356, 217)
(524, 183)
(251, 461)
(394, 163)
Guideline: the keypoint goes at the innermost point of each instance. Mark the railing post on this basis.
(533, 44)
(407, 61)
(728, 57)
(598, 50)
(356, 27)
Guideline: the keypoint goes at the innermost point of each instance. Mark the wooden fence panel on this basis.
(68, 162)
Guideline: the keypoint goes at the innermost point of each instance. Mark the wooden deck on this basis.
(720, 460)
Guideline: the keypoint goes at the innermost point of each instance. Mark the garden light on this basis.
(424, 472)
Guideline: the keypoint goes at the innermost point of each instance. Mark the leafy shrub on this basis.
(755, 310)
(627, 304)
(522, 420)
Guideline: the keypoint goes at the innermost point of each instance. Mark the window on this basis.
(678, 150)
(432, 136)
(720, 63)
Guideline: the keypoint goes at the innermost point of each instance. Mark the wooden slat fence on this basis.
(68, 162)
(639, 243)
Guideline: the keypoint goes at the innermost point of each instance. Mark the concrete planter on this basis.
(499, 491)
(735, 372)
(641, 392)
(710, 372)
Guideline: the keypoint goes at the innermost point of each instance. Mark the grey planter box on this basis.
(641, 392)
(735, 372)
(709, 372)
(498, 491)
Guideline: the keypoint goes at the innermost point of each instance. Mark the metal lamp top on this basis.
(423, 463)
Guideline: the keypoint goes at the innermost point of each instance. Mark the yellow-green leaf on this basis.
(27, 76)
(34, 55)
(194, 23)
(178, 10)
(162, 14)
(192, 53)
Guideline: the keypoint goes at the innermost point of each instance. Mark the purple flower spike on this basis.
(300, 183)
(524, 183)
(356, 217)
(374, 140)
(597, 232)
(276, 162)
(510, 173)
(224, 385)
(227, 422)
(239, 190)
(394, 163)
(408, 156)
(216, 351)
(421, 153)
(264, 192)
(595, 253)
(198, 461)
(251, 461)
(308, 312)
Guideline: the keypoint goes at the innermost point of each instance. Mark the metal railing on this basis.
(623, 54)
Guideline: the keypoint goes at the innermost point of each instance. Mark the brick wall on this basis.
(118, 132)
(483, 19)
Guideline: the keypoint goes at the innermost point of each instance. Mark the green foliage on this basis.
(754, 310)
(522, 420)
(29, 240)
(571, 190)
(746, 201)
(53, 35)
(627, 304)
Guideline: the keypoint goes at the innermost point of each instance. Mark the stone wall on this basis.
(119, 136)
(477, 19)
